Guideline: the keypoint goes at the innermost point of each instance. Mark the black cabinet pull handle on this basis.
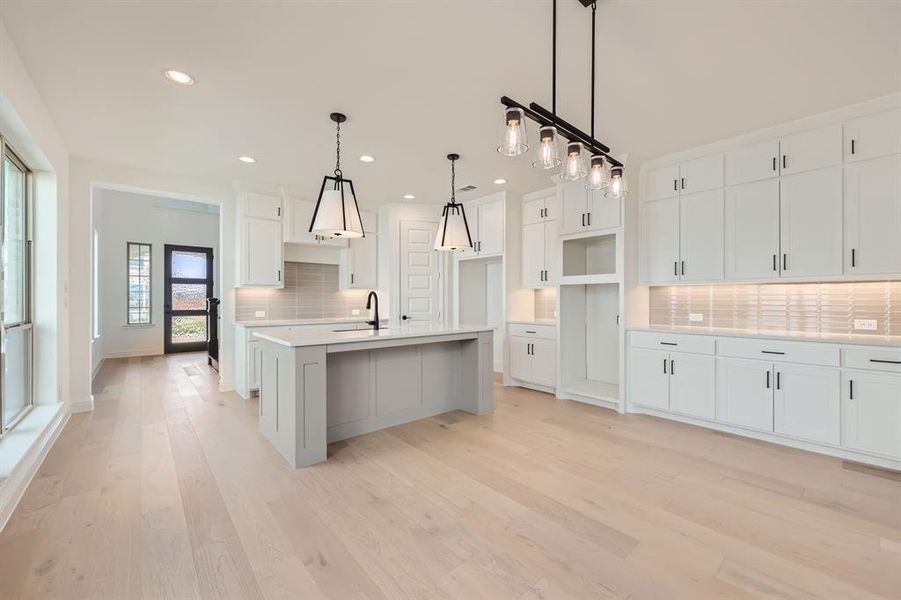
(775, 266)
(774, 163)
(783, 161)
(851, 390)
(528, 331)
(785, 262)
(668, 344)
(279, 274)
(676, 268)
(772, 352)
(885, 362)
(675, 185)
(767, 380)
(672, 367)
(664, 366)
(778, 380)
(583, 219)
(852, 146)
(683, 267)
(853, 257)
(683, 183)
(589, 219)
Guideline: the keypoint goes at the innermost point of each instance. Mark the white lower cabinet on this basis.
(676, 381)
(744, 393)
(806, 403)
(255, 365)
(649, 377)
(871, 412)
(520, 358)
(544, 362)
(533, 354)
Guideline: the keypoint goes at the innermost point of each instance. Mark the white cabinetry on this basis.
(260, 249)
(649, 377)
(533, 354)
(540, 206)
(539, 255)
(660, 240)
(586, 210)
(752, 230)
(696, 175)
(811, 223)
(358, 267)
(744, 393)
(812, 149)
(485, 218)
(806, 403)
(299, 215)
(872, 220)
(874, 135)
(871, 412)
(752, 163)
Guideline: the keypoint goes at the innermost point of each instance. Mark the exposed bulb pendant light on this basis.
(617, 188)
(574, 168)
(598, 178)
(337, 213)
(453, 230)
(514, 140)
(548, 149)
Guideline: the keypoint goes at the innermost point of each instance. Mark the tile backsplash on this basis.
(816, 308)
(310, 292)
(546, 303)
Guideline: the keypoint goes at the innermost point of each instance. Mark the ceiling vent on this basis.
(466, 188)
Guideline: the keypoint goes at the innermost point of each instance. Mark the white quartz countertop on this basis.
(301, 337)
(861, 340)
(533, 321)
(283, 322)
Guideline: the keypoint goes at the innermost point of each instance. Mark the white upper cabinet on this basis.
(811, 223)
(539, 252)
(701, 234)
(261, 206)
(872, 136)
(491, 228)
(752, 230)
(752, 163)
(873, 216)
(814, 149)
(298, 216)
(700, 174)
(358, 267)
(660, 240)
(586, 210)
(540, 206)
(261, 252)
(603, 212)
(662, 183)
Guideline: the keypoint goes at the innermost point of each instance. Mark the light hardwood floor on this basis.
(168, 490)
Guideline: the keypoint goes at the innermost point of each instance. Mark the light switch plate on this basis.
(259, 313)
(866, 324)
(355, 311)
(696, 317)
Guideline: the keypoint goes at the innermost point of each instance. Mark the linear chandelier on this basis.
(586, 157)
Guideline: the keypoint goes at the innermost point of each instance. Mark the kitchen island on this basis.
(318, 387)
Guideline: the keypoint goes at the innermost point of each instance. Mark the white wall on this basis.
(25, 122)
(129, 217)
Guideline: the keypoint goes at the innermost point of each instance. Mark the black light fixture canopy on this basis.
(453, 229)
(337, 213)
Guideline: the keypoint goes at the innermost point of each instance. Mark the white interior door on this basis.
(420, 295)
(811, 223)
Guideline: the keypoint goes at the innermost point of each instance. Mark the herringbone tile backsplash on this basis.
(814, 308)
(310, 292)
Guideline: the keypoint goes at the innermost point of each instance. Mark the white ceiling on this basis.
(419, 79)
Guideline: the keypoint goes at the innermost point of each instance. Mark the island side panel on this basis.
(310, 418)
(477, 374)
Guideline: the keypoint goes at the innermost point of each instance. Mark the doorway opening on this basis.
(188, 287)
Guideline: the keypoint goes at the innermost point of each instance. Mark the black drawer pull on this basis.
(886, 362)
(668, 344)
(527, 331)
(771, 352)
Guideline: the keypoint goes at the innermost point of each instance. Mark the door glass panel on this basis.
(188, 265)
(188, 329)
(188, 296)
(13, 243)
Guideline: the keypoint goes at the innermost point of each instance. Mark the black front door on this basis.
(188, 283)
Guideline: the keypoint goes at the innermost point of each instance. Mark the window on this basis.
(138, 284)
(15, 279)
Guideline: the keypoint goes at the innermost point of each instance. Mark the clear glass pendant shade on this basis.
(514, 140)
(617, 188)
(453, 231)
(574, 168)
(336, 213)
(598, 178)
(548, 154)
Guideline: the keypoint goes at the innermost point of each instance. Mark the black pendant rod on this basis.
(594, 8)
(554, 62)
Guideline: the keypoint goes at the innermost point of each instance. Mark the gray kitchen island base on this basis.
(311, 395)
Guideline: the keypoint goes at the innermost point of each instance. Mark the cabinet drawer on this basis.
(548, 332)
(697, 344)
(797, 352)
(875, 359)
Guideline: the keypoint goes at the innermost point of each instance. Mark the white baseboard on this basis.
(82, 405)
(13, 487)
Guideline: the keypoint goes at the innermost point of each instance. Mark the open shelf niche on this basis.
(480, 298)
(590, 343)
(590, 256)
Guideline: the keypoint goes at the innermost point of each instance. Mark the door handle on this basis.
(771, 352)
(404, 317)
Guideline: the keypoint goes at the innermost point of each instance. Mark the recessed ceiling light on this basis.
(179, 77)
(500, 181)
(409, 197)
(247, 159)
(367, 158)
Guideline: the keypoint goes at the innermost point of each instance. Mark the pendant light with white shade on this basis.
(453, 230)
(337, 213)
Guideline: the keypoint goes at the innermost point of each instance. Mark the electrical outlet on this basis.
(865, 324)
(259, 313)
(696, 317)
(355, 312)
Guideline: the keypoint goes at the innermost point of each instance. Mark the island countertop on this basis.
(300, 337)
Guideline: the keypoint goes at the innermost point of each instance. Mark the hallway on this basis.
(169, 491)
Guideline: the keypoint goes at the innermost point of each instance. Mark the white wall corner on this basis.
(79, 406)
